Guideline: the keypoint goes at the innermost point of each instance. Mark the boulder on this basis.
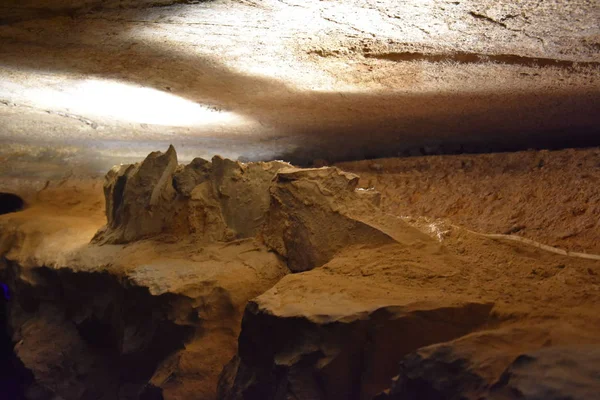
(525, 362)
(317, 212)
(339, 331)
(138, 198)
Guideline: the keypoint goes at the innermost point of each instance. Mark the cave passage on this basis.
(10, 203)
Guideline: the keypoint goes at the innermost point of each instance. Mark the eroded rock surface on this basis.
(217, 200)
(138, 198)
(536, 362)
(303, 202)
(186, 293)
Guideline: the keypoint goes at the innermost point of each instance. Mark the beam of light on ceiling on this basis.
(128, 103)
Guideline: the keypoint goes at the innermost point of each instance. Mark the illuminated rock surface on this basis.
(94, 84)
(231, 276)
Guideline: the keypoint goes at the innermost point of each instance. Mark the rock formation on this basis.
(471, 367)
(217, 200)
(130, 320)
(229, 280)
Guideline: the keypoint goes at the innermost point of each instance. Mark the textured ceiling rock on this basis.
(297, 80)
(16, 10)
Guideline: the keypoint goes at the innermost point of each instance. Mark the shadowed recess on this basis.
(10, 202)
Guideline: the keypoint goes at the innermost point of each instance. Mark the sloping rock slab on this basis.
(318, 335)
(555, 373)
(317, 212)
(506, 363)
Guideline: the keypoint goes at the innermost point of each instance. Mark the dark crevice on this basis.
(10, 203)
(479, 58)
(115, 334)
(14, 377)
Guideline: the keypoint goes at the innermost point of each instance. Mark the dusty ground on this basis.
(551, 197)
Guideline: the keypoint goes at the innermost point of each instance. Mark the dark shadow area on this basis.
(10, 203)
(13, 11)
(335, 126)
(477, 58)
(102, 337)
(14, 378)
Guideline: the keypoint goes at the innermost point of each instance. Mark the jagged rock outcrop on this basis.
(152, 307)
(534, 362)
(138, 198)
(218, 200)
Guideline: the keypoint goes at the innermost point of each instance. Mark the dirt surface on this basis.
(551, 197)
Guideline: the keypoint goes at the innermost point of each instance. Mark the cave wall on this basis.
(16, 10)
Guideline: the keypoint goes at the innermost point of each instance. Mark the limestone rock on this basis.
(525, 362)
(346, 359)
(191, 175)
(555, 373)
(243, 192)
(304, 202)
(214, 201)
(138, 198)
(339, 331)
(225, 199)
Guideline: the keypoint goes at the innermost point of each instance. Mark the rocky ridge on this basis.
(220, 279)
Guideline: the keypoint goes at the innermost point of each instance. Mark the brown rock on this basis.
(532, 362)
(191, 175)
(339, 331)
(304, 202)
(138, 198)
